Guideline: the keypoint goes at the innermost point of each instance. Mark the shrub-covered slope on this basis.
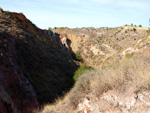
(121, 82)
(98, 45)
(25, 50)
(123, 87)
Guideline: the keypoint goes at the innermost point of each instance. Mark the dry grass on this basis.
(58, 107)
(133, 73)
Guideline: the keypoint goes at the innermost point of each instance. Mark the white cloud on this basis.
(135, 4)
(125, 3)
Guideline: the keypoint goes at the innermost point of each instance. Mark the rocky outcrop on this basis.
(35, 67)
(117, 102)
(16, 93)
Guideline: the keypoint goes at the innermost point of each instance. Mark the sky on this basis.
(81, 13)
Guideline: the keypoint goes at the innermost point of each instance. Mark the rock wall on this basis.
(16, 93)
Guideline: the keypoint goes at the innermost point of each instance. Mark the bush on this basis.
(49, 28)
(80, 71)
(148, 31)
(125, 31)
(127, 55)
(1, 9)
(78, 57)
(134, 29)
(140, 25)
(55, 27)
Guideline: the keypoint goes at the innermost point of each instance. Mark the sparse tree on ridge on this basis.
(134, 29)
(49, 28)
(140, 25)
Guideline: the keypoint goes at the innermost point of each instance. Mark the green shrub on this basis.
(77, 57)
(55, 27)
(1, 9)
(127, 55)
(125, 31)
(140, 25)
(148, 31)
(134, 29)
(80, 71)
(49, 28)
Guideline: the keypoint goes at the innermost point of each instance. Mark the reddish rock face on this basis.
(61, 41)
(16, 93)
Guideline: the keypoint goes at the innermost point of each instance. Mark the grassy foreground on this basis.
(128, 73)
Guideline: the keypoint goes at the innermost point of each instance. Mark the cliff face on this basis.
(16, 93)
(35, 66)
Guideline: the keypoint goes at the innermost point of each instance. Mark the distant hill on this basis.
(102, 44)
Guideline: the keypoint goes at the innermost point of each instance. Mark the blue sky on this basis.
(81, 13)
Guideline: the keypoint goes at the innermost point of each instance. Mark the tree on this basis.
(1, 9)
(49, 28)
(55, 27)
(134, 29)
(140, 25)
(131, 24)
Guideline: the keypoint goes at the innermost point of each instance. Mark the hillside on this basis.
(102, 44)
(34, 70)
(78, 70)
(120, 81)
(123, 87)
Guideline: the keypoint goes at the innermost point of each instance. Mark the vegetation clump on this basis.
(77, 56)
(134, 29)
(148, 31)
(1, 10)
(80, 71)
(140, 25)
(49, 28)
